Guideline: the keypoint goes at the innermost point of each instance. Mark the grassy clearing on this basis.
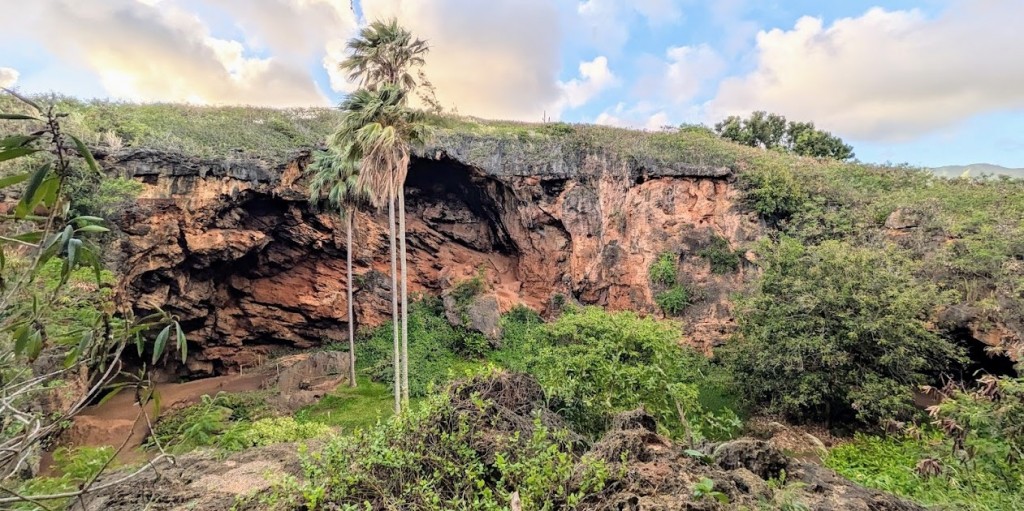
(353, 408)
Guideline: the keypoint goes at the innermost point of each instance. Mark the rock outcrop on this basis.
(234, 249)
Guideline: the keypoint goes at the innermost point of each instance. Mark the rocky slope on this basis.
(233, 247)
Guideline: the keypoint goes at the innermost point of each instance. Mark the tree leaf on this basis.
(28, 199)
(84, 151)
(23, 99)
(18, 117)
(92, 228)
(161, 342)
(86, 218)
(17, 152)
(139, 343)
(21, 339)
(13, 180)
(73, 249)
(182, 343)
(113, 392)
(17, 141)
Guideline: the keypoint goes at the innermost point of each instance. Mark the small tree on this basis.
(837, 332)
(339, 177)
(40, 233)
(772, 131)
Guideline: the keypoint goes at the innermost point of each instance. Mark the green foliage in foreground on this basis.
(75, 466)
(891, 465)
(443, 457)
(232, 422)
(593, 364)
(838, 332)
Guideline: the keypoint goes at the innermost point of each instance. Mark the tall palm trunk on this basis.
(351, 306)
(405, 294)
(394, 305)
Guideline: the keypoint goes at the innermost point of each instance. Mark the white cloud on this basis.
(887, 75)
(690, 68)
(8, 76)
(640, 116)
(497, 59)
(595, 78)
(298, 29)
(606, 23)
(155, 51)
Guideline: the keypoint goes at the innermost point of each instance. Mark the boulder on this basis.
(482, 314)
(903, 218)
(307, 377)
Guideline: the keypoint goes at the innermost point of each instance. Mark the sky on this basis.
(928, 82)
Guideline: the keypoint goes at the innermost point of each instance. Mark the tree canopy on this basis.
(773, 131)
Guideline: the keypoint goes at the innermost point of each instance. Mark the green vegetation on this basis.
(924, 470)
(720, 256)
(772, 131)
(436, 349)
(351, 408)
(835, 332)
(592, 364)
(673, 300)
(664, 270)
(449, 454)
(76, 467)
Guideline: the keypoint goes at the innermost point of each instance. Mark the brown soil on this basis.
(118, 419)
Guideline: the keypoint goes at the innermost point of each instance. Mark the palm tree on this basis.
(379, 130)
(384, 53)
(340, 178)
(381, 58)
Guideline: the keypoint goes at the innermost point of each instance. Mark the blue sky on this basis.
(930, 82)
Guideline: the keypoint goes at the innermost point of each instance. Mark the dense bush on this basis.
(435, 348)
(272, 430)
(773, 190)
(463, 450)
(837, 332)
(594, 363)
(720, 256)
(674, 300)
(664, 270)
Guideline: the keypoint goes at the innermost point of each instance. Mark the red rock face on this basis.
(236, 251)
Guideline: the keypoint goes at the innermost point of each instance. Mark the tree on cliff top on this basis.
(339, 177)
(379, 129)
(772, 131)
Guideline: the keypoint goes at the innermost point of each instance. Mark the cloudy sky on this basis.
(928, 82)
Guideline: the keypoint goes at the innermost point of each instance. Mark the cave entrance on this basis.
(461, 202)
(981, 361)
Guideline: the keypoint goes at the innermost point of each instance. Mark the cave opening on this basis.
(460, 201)
(980, 360)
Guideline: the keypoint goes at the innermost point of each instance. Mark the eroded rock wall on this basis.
(235, 250)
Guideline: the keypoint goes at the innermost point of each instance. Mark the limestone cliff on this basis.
(233, 247)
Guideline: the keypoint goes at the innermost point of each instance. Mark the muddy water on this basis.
(118, 420)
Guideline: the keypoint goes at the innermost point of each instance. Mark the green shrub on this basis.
(722, 259)
(435, 348)
(664, 270)
(594, 363)
(673, 301)
(835, 332)
(105, 197)
(75, 466)
(443, 456)
(773, 190)
(204, 423)
(270, 431)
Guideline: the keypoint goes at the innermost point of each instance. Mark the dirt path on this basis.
(118, 418)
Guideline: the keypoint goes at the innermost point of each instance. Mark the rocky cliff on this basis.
(233, 247)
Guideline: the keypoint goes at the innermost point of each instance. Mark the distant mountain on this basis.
(976, 170)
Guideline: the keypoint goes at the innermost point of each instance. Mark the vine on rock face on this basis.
(40, 344)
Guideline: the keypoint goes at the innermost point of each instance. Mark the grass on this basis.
(889, 464)
(353, 408)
